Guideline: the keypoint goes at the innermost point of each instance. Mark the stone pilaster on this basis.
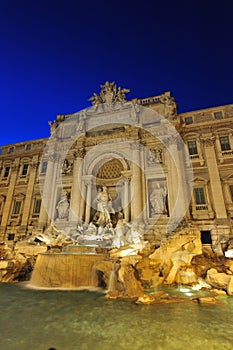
(10, 192)
(47, 209)
(29, 193)
(215, 182)
(175, 181)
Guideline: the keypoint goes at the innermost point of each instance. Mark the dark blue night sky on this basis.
(55, 54)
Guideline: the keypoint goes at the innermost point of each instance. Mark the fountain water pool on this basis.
(69, 320)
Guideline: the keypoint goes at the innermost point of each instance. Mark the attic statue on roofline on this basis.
(109, 94)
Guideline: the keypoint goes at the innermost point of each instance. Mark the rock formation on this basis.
(131, 270)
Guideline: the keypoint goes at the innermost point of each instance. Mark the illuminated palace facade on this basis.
(138, 170)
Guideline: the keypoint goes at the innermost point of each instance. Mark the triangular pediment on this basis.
(199, 179)
(228, 177)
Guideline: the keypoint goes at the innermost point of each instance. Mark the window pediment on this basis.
(191, 136)
(19, 196)
(200, 180)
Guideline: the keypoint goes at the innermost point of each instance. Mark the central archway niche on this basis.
(109, 171)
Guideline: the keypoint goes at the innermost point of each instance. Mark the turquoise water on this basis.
(68, 320)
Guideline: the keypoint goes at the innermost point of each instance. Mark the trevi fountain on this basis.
(105, 271)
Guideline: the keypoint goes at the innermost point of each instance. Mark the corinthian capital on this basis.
(80, 153)
(54, 157)
(170, 140)
(136, 146)
(209, 141)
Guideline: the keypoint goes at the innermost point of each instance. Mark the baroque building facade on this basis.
(161, 170)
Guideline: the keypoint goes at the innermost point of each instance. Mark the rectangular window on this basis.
(218, 115)
(11, 149)
(192, 147)
(199, 195)
(231, 192)
(28, 147)
(188, 120)
(16, 207)
(25, 169)
(37, 206)
(6, 171)
(225, 143)
(44, 167)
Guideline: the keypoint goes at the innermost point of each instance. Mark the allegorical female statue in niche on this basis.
(63, 207)
(158, 199)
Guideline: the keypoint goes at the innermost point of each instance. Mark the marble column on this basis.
(126, 200)
(76, 195)
(82, 201)
(126, 175)
(144, 186)
(88, 182)
(136, 192)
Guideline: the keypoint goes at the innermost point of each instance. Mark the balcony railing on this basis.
(202, 211)
(201, 207)
(194, 156)
(227, 154)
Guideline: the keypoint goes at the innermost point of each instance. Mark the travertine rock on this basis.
(4, 264)
(16, 264)
(157, 280)
(218, 292)
(216, 279)
(176, 255)
(206, 300)
(229, 264)
(131, 285)
(30, 250)
(159, 297)
(220, 280)
(187, 276)
(230, 286)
